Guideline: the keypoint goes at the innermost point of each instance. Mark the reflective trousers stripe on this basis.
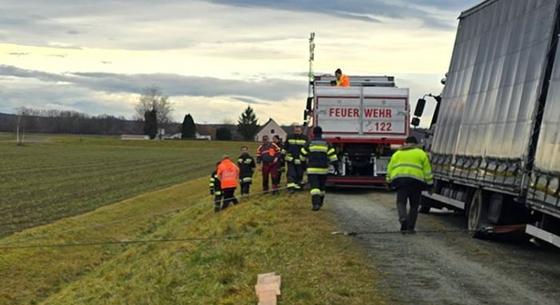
(317, 171)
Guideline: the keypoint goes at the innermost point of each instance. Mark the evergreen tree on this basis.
(150, 123)
(223, 134)
(247, 125)
(188, 130)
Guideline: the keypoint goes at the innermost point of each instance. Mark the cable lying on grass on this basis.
(24, 245)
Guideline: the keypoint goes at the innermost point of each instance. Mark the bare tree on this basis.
(153, 99)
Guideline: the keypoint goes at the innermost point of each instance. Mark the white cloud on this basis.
(214, 54)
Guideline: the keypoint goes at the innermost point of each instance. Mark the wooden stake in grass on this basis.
(268, 288)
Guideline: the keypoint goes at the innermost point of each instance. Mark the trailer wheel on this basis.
(478, 215)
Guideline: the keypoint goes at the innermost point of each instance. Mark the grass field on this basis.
(56, 177)
(262, 234)
(97, 211)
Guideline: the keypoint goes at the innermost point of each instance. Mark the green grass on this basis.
(277, 234)
(61, 176)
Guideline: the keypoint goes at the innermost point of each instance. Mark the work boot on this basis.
(404, 227)
(315, 207)
(216, 209)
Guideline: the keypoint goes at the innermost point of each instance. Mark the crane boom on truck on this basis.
(364, 122)
(496, 145)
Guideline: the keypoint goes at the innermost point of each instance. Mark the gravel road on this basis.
(446, 268)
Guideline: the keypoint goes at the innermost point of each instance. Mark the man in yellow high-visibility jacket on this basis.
(410, 172)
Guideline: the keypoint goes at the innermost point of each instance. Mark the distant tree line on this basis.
(72, 122)
(153, 112)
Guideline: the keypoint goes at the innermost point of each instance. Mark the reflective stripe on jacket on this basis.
(214, 185)
(319, 155)
(268, 153)
(246, 165)
(410, 162)
(228, 173)
(293, 145)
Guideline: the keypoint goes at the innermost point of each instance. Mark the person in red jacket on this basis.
(268, 154)
(228, 173)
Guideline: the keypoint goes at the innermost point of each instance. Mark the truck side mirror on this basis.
(415, 122)
(420, 107)
(309, 103)
(305, 115)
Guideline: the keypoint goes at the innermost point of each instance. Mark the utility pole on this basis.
(20, 128)
(19, 139)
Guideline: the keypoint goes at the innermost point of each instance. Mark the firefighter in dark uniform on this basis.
(319, 155)
(246, 165)
(293, 145)
(216, 189)
(281, 159)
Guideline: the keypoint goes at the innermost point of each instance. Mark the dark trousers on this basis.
(270, 170)
(408, 190)
(229, 197)
(245, 187)
(317, 184)
(295, 175)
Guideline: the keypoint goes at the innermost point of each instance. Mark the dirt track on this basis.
(446, 268)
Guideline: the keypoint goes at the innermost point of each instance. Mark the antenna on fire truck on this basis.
(310, 76)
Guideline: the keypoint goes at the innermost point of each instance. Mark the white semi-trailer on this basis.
(496, 144)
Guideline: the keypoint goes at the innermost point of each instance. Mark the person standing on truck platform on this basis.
(246, 165)
(342, 80)
(319, 155)
(268, 154)
(228, 173)
(410, 172)
(294, 143)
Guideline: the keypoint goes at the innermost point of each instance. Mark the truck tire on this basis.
(478, 215)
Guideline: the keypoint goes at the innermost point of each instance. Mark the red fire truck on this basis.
(365, 122)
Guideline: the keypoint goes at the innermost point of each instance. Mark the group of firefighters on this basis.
(409, 170)
(301, 156)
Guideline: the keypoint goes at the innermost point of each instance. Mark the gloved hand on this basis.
(333, 83)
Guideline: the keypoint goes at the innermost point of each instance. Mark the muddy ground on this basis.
(446, 267)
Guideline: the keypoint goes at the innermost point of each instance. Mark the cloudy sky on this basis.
(215, 57)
